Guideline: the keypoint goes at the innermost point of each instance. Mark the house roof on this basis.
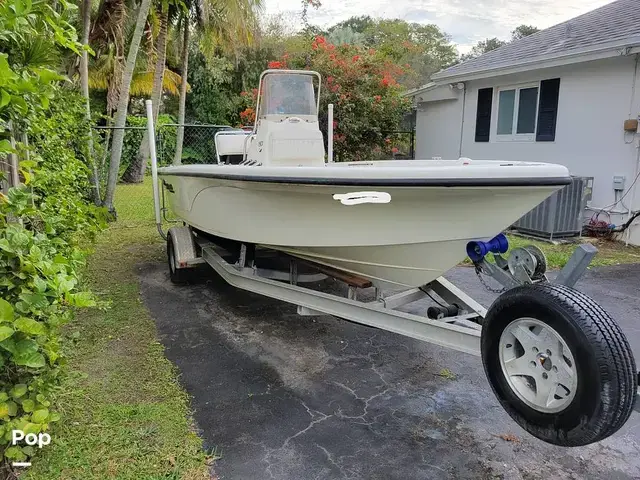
(420, 89)
(613, 26)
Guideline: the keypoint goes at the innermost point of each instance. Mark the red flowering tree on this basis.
(363, 88)
(248, 103)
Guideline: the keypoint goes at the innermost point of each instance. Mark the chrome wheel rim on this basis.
(538, 365)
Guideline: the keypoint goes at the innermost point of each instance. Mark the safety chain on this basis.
(485, 284)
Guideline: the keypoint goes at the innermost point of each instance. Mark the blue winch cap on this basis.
(477, 249)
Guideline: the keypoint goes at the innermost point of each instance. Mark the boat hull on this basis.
(420, 234)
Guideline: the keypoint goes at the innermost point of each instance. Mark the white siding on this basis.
(595, 98)
(438, 129)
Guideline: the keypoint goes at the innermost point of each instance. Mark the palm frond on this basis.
(229, 23)
(142, 83)
(101, 71)
(172, 82)
(36, 52)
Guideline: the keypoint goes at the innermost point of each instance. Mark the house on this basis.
(569, 94)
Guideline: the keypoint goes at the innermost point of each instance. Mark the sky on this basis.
(466, 21)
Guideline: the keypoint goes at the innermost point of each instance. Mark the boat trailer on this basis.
(455, 322)
(499, 335)
(557, 362)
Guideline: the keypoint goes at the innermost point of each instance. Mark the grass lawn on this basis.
(609, 252)
(124, 415)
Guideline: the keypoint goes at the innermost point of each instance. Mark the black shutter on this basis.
(483, 114)
(548, 110)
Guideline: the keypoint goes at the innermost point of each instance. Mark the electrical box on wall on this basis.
(618, 182)
(631, 125)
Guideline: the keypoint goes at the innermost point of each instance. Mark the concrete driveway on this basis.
(286, 397)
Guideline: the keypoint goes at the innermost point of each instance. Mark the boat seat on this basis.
(230, 146)
(294, 142)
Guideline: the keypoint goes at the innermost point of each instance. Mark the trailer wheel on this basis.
(178, 276)
(559, 365)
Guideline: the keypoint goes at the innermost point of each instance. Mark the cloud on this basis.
(466, 21)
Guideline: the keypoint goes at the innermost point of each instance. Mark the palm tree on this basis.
(111, 29)
(135, 171)
(107, 38)
(184, 68)
(85, 14)
(227, 23)
(123, 103)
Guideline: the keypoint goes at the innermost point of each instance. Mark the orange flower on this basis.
(394, 150)
(275, 64)
(387, 140)
(320, 39)
(329, 79)
(355, 58)
(248, 115)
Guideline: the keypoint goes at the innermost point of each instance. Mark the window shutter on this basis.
(483, 114)
(548, 110)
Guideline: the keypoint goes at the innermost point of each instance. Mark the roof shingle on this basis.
(616, 21)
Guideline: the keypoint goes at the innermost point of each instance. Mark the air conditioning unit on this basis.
(560, 215)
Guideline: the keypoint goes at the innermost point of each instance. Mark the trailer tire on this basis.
(178, 276)
(590, 349)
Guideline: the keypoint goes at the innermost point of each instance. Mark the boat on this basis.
(396, 223)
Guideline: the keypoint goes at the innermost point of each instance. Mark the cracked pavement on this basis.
(286, 397)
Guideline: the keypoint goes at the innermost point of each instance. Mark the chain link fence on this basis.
(198, 144)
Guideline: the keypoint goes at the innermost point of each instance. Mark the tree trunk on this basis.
(135, 171)
(85, 11)
(183, 93)
(123, 104)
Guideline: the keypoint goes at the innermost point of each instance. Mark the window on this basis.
(517, 109)
(525, 113)
(287, 94)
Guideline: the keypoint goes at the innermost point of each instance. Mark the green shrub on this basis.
(39, 261)
(42, 222)
(57, 137)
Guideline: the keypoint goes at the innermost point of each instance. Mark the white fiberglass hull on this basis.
(410, 241)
